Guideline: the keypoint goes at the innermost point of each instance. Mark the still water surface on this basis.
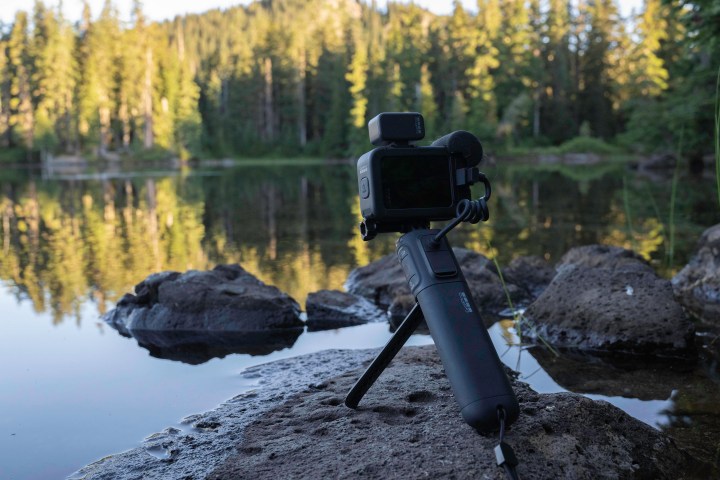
(73, 390)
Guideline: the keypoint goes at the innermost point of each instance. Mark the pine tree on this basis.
(357, 77)
(53, 79)
(557, 119)
(99, 62)
(516, 74)
(21, 119)
(649, 77)
(596, 97)
(4, 96)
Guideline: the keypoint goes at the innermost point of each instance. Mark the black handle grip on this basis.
(472, 365)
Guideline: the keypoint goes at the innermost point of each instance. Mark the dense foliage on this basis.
(304, 76)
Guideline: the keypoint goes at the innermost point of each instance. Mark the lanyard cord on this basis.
(503, 452)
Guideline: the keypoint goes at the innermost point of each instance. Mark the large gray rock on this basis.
(383, 283)
(328, 309)
(226, 298)
(609, 302)
(409, 426)
(697, 286)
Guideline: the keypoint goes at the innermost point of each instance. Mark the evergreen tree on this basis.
(99, 61)
(517, 72)
(4, 96)
(357, 77)
(294, 76)
(596, 97)
(558, 122)
(21, 119)
(53, 79)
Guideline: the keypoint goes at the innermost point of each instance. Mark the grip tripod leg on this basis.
(406, 328)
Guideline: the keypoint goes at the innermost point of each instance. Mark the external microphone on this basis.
(463, 145)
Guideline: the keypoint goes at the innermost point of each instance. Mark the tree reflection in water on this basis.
(294, 226)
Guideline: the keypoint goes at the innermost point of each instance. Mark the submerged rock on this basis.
(697, 286)
(409, 426)
(226, 298)
(195, 316)
(328, 309)
(604, 299)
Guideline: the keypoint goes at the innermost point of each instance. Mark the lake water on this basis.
(73, 390)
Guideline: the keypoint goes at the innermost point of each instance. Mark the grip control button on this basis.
(441, 263)
(408, 268)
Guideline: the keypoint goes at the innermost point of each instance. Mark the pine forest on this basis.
(303, 77)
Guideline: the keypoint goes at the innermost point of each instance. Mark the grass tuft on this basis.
(518, 317)
(717, 134)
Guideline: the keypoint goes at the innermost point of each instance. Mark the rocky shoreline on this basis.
(408, 426)
(597, 300)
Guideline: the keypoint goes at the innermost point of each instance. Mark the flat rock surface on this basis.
(200, 443)
(409, 426)
(697, 286)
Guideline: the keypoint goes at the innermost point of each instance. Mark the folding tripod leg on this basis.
(406, 328)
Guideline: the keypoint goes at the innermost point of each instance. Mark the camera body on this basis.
(402, 186)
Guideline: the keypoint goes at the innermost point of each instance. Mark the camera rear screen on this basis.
(416, 182)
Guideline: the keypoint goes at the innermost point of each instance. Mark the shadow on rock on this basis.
(199, 347)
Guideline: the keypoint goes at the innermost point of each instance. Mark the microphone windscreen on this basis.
(462, 144)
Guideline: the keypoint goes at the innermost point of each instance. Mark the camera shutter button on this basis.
(364, 187)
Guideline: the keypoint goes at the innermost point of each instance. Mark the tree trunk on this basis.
(148, 140)
(268, 107)
(301, 123)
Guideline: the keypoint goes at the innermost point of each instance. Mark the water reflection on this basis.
(294, 226)
(199, 347)
(679, 397)
(73, 246)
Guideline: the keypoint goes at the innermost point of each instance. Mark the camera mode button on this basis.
(364, 187)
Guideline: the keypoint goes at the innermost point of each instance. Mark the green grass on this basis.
(588, 145)
(717, 134)
(518, 317)
(626, 204)
(673, 201)
(574, 145)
